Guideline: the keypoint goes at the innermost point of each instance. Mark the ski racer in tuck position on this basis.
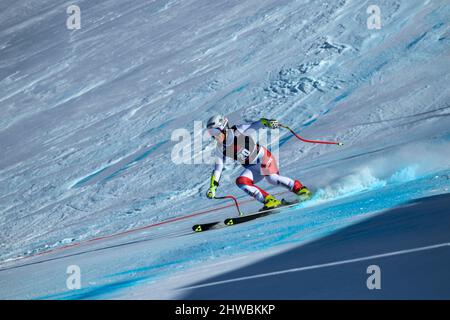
(257, 160)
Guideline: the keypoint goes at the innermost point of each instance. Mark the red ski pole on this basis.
(235, 202)
(310, 141)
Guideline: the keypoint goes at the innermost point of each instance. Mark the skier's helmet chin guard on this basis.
(216, 125)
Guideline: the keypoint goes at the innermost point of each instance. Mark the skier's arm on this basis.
(256, 125)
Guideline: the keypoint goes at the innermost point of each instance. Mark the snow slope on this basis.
(87, 117)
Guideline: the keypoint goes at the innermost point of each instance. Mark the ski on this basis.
(261, 213)
(205, 226)
(248, 217)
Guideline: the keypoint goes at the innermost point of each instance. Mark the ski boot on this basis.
(270, 202)
(301, 191)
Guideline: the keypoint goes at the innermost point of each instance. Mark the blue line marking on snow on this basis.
(135, 160)
(241, 88)
(438, 25)
(310, 122)
(285, 139)
(161, 126)
(89, 177)
(342, 96)
(415, 41)
(379, 67)
(236, 90)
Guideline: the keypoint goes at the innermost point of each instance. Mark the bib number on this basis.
(243, 154)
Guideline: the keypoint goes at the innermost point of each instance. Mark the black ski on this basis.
(262, 213)
(245, 218)
(205, 226)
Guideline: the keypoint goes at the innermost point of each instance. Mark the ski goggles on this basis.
(214, 132)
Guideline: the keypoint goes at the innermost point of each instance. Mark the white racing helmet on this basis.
(217, 124)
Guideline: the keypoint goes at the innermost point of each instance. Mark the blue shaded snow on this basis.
(336, 206)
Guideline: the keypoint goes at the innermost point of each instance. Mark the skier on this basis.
(233, 142)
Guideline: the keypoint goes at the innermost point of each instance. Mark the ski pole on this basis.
(235, 202)
(310, 141)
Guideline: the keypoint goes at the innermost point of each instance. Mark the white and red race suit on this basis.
(257, 160)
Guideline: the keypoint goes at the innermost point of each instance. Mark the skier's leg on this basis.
(246, 182)
(269, 168)
(292, 185)
(279, 180)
